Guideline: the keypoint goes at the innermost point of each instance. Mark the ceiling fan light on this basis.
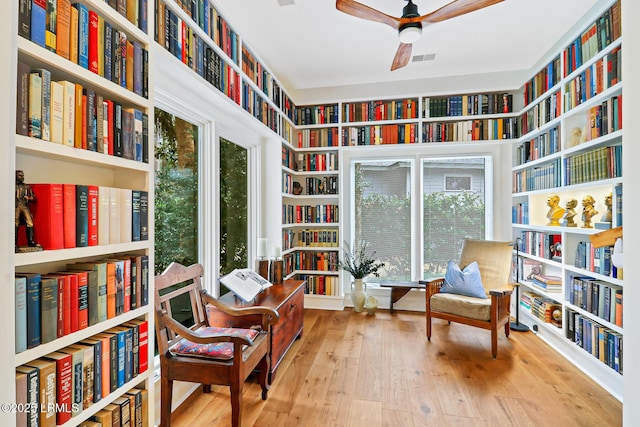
(410, 34)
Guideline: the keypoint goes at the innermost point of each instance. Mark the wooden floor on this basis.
(352, 369)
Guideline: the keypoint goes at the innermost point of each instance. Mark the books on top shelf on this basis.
(245, 283)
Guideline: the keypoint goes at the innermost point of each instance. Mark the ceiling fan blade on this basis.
(453, 9)
(402, 56)
(362, 11)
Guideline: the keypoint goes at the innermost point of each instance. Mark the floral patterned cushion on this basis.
(217, 350)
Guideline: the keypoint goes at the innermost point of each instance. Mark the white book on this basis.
(45, 103)
(125, 215)
(57, 112)
(68, 113)
(245, 283)
(103, 215)
(35, 105)
(114, 215)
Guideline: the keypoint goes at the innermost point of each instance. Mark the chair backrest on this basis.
(166, 291)
(494, 260)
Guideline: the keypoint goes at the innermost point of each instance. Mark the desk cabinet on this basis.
(287, 299)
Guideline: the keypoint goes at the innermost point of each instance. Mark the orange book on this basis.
(73, 35)
(63, 27)
(129, 66)
(79, 114)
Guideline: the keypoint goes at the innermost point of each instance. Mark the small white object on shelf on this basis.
(262, 247)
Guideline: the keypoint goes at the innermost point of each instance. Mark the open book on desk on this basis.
(245, 283)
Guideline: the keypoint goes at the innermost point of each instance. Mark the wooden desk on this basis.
(287, 299)
(400, 289)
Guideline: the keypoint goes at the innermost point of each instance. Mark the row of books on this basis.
(317, 162)
(467, 105)
(134, 10)
(311, 260)
(259, 75)
(70, 215)
(595, 259)
(62, 384)
(546, 282)
(594, 165)
(310, 214)
(541, 113)
(320, 285)
(255, 104)
(50, 306)
(601, 342)
(206, 16)
(544, 80)
(67, 113)
(537, 178)
(310, 238)
(180, 40)
(595, 79)
(315, 114)
(471, 130)
(536, 148)
(603, 119)
(604, 30)
(314, 186)
(82, 36)
(325, 137)
(538, 243)
(520, 213)
(597, 297)
(380, 110)
(405, 133)
(541, 307)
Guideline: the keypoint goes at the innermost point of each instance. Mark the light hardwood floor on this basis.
(352, 369)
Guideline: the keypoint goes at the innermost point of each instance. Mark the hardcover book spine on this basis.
(24, 19)
(83, 35)
(92, 231)
(57, 112)
(22, 105)
(99, 122)
(92, 40)
(108, 51)
(69, 215)
(135, 216)
(103, 215)
(48, 309)
(50, 27)
(82, 215)
(137, 68)
(79, 134)
(63, 28)
(73, 34)
(35, 105)
(21, 314)
(48, 215)
(38, 21)
(144, 215)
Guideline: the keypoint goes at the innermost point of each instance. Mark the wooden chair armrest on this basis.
(432, 286)
(271, 314)
(500, 292)
(198, 337)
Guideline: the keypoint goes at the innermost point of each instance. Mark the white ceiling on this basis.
(319, 53)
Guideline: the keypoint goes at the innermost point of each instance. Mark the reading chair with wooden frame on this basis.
(207, 355)
(494, 262)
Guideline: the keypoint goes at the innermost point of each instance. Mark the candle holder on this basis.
(263, 268)
(277, 268)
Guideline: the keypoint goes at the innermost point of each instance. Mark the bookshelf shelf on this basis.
(585, 158)
(52, 256)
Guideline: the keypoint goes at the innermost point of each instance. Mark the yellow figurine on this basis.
(569, 213)
(588, 211)
(555, 211)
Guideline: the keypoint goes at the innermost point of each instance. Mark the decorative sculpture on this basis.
(23, 216)
(607, 215)
(588, 211)
(569, 213)
(555, 212)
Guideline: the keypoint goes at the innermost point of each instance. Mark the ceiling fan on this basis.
(409, 26)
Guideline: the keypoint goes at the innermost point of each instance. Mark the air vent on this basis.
(286, 2)
(425, 57)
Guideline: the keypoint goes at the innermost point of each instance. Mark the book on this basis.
(48, 215)
(22, 101)
(114, 410)
(135, 216)
(69, 215)
(97, 366)
(113, 358)
(83, 34)
(63, 17)
(82, 216)
(24, 19)
(114, 215)
(125, 410)
(92, 42)
(51, 24)
(21, 399)
(33, 308)
(70, 301)
(143, 344)
(245, 283)
(88, 372)
(48, 309)
(65, 282)
(90, 117)
(128, 149)
(77, 378)
(38, 21)
(79, 134)
(47, 372)
(92, 229)
(135, 341)
(120, 334)
(57, 112)
(103, 215)
(144, 215)
(125, 215)
(32, 395)
(79, 298)
(105, 369)
(20, 314)
(99, 291)
(135, 405)
(104, 417)
(99, 126)
(73, 34)
(64, 385)
(35, 105)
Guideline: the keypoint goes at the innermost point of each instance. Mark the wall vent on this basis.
(425, 57)
(286, 2)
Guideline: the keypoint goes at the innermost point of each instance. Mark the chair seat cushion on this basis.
(217, 350)
(462, 305)
(463, 282)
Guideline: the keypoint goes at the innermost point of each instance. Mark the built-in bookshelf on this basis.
(82, 114)
(571, 153)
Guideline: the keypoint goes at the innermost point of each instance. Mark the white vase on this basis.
(370, 304)
(358, 294)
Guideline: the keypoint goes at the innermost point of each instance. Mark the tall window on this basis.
(383, 214)
(450, 194)
(454, 208)
(234, 190)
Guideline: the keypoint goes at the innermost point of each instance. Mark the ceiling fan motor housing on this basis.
(411, 31)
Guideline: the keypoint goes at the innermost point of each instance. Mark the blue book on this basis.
(83, 35)
(137, 68)
(120, 333)
(142, 15)
(97, 367)
(138, 142)
(21, 313)
(108, 51)
(33, 308)
(128, 355)
(82, 216)
(135, 216)
(38, 21)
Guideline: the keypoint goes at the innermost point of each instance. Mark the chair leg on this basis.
(494, 342)
(263, 377)
(166, 391)
(507, 329)
(428, 328)
(236, 404)
(206, 388)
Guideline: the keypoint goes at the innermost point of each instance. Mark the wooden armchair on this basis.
(203, 353)
(494, 260)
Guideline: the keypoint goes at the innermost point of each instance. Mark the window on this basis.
(416, 218)
(234, 212)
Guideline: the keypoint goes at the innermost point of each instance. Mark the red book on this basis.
(127, 284)
(69, 215)
(143, 344)
(93, 41)
(93, 216)
(64, 304)
(80, 305)
(110, 125)
(71, 294)
(47, 214)
(64, 387)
